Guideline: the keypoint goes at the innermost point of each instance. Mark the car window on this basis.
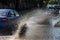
(3, 13)
(11, 14)
(16, 13)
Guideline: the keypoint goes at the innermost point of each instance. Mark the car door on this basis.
(12, 16)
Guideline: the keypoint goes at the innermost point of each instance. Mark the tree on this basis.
(45, 2)
(53, 1)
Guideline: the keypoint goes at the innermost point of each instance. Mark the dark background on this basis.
(20, 4)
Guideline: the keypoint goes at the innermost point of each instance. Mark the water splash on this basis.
(35, 31)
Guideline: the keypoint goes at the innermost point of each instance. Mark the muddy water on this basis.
(37, 23)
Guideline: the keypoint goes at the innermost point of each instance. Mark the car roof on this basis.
(5, 9)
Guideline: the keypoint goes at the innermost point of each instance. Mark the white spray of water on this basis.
(36, 30)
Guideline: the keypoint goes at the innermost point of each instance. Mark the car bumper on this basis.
(3, 25)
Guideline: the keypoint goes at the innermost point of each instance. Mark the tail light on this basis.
(4, 20)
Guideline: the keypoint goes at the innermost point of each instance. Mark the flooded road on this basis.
(37, 23)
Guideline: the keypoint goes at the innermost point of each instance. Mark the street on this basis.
(37, 23)
(29, 19)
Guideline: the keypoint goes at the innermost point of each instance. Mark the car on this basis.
(7, 20)
(53, 6)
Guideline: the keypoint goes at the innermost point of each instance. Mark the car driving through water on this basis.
(7, 20)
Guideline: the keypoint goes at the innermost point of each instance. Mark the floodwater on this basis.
(37, 23)
(38, 26)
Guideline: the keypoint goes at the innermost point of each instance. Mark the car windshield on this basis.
(2, 13)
